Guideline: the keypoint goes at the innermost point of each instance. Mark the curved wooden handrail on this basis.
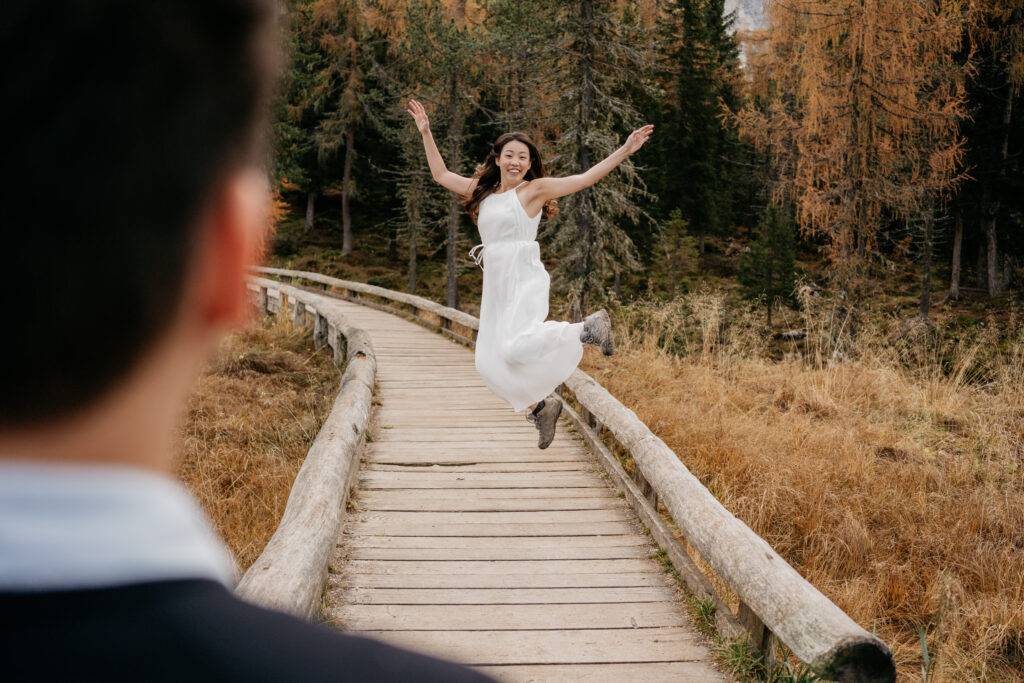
(291, 572)
(775, 601)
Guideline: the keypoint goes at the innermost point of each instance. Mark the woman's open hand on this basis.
(419, 115)
(638, 137)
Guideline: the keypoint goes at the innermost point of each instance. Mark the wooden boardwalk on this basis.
(469, 542)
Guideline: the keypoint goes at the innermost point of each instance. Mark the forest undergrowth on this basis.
(888, 470)
(251, 419)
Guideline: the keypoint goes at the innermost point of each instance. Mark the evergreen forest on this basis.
(866, 149)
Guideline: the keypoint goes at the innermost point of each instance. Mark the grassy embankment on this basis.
(253, 415)
(892, 482)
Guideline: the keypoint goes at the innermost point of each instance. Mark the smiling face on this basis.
(514, 162)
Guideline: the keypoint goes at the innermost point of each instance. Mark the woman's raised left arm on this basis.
(552, 188)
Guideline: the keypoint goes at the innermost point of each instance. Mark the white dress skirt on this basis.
(520, 356)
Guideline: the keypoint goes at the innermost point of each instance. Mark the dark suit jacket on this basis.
(191, 630)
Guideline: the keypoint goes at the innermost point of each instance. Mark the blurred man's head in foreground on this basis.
(134, 194)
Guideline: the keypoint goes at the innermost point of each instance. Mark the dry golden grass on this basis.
(896, 489)
(251, 419)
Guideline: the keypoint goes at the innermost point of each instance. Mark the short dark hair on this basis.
(119, 118)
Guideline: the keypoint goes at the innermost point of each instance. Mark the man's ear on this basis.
(235, 223)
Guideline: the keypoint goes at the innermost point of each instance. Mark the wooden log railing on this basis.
(291, 572)
(461, 327)
(775, 602)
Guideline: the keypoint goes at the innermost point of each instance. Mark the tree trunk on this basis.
(995, 288)
(346, 184)
(958, 241)
(1009, 263)
(393, 243)
(310, 202)
(926, 261)
(412, 261)
(980, 278)
(617, 287)
(454, 148)
(584, 220)
(675, 266)
(991, 255)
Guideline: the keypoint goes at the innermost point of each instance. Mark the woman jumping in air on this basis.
(519, 356)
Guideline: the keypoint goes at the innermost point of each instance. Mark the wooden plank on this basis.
(475, 480)
(484, 494)
(459, 449)
(380, 456)
(521, 436)
(390, 501)
(477, 567)
(551, 553)
(499, 579)
(501, 530)
(493, 467)
(635, 672)
(491, 542)
(500, 596)
(507, 617)
(481, 648)
(510, 518)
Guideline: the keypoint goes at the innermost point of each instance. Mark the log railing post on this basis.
(261, 301)
(761, 636)
(299, 314)
(320, 331)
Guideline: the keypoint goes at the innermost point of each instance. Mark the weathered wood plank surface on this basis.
(468, 542)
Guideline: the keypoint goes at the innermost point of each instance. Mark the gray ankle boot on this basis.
(597, 329)
(545, 420)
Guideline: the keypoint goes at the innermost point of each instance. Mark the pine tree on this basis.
(866, 123)
(992, 200)
(680, 250)
(520, 35)
(598, 57)
(767, 270)
(296, 162)
(431, 52)
(700, 56)
(339, 87)
(439, 51)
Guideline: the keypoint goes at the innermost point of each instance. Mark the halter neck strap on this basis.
(516, 187)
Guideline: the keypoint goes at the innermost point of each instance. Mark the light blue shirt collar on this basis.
(65, 527)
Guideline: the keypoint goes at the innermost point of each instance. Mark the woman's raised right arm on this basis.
(452, 181)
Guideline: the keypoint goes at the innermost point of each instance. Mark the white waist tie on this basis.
(477, 254)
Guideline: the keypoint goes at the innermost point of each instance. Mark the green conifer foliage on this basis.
(295, 160)
(440, 55)
(598, 58)
(767, 270)
(700, 58)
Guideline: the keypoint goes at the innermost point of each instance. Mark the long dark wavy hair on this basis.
(488, 174)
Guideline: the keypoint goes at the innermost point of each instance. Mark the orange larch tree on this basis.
(864, 124)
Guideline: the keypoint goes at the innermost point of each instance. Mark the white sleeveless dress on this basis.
(519, 356)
